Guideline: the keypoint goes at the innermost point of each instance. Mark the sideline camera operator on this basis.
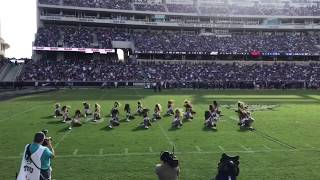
(169, 167)
(36, 161)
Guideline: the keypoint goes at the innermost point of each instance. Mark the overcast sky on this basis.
(18, 26)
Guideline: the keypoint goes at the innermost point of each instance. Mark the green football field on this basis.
(285, 145)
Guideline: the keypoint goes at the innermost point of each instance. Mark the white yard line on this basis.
(198, 148)
(178, 153)
(150, 149)
(62, 139)
(268, 148)
(101, 151)
(165, 135)
(75, 152)
(221, 148)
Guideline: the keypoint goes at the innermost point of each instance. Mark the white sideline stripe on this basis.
(221, 148)
(75, 152)
(267, 147)
(126, 151)
(100, 151)
(150, 149)
(166, 135)
(198, 148)
(62, 139)
(179, 153)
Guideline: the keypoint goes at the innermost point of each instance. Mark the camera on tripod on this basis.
(170, 158)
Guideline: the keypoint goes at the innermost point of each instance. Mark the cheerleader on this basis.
(114, 118)
(87, 111)
(217, 108)
(146, 120)
(139, 108)
(127, 110)
(245, 118)
(97, 112)
(188, 115)
(157, 112)
(65, 113)
(57, 110)
(177, 121)
(170, 110)
(76, 122)
(211, 118)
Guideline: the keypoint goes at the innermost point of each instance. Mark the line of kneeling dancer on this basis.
(212, 115)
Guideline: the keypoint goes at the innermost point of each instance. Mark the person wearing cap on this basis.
(36, 161)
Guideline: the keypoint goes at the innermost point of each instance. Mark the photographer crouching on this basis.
(169, 167)
(36, 161)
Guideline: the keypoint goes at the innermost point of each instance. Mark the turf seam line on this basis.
(62, 139)
(266, 136)
(166, 135)
(25, 111)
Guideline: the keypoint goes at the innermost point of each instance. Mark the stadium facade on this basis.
(178, 29)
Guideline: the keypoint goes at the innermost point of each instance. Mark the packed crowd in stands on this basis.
(100, 71)
(247, 42)
(79, 37)
(309, 10)
(150, 7)
(83, 37)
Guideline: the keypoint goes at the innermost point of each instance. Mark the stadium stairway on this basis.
(12, 72)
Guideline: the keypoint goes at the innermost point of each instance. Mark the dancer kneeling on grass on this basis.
(57, 110)
(65, 113)
(170, 110)
(211, 118)
(177, 121)
(97, 113)
(87, 111)
(188, 115)
(114, 118)
(245, 118)
(139, 108)
(76, 122)
(157, 112)
(217, 108)
(116, 106)
(127, 110)
(146, 120)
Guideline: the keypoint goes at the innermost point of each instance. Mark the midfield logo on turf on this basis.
(255, 107)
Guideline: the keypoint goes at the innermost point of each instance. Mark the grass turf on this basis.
(285, 145)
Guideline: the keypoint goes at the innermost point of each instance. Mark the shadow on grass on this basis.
(65, 129)
(106, 128)
(139, 128)
(47, 117)
(209, 129)
(55, 122)
(174, 129)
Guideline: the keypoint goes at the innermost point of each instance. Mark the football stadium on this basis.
(164, 89)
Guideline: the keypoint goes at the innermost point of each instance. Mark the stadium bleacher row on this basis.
(86, 70)
(83, 37)
(205, 9)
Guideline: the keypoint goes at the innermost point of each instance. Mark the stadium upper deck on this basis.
(175, 27)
